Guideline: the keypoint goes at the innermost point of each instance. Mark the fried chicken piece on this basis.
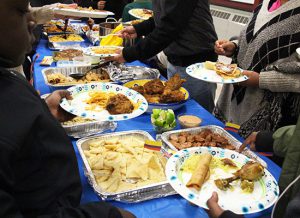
(174, 83)
(154, 87)
(172, 96)
(119, 104)
(139, 89)
(152, 98)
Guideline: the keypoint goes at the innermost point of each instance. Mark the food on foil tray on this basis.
(68, 38)
(155, 91)
(57, 29)
(76, 120)
(123, 165)
(61, 79)
(67, 54)
(203, 138)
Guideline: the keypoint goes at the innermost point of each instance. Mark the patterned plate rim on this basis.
(95, 115)
(190, 69)
(88, 51)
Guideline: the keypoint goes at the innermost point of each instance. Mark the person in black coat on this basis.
(39, 174)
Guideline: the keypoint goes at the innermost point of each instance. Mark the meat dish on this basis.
(204, 138)
(119, 104)
(155, 91)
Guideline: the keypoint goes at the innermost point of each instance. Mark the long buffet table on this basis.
(172, 206)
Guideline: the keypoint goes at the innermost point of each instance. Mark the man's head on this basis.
(16, 38)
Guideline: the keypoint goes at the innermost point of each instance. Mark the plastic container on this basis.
(189, 121)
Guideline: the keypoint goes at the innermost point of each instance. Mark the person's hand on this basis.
(118, 58)
(214, 209)
(225, 47)
(53, 101)
(252, 81)
(101, 5)
(127, 33)
(250, 140)
(126, 214)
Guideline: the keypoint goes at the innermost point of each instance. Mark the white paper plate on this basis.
(265, 192)
(132, 12)
(77, 106)
(198, 71)
(89, 51)
(81, 13)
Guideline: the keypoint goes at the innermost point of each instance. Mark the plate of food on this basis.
(141, 13)
(102, 51)
(57, 29)
(104, 102)
(65, 38)
(161, 94)
(133, 176)
(216, 72)
(207, 136)
(195, 173)
(77, 11)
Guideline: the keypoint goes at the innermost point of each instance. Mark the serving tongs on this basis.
(79, 75)
(64, 28)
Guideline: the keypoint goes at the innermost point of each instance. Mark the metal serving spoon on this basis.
(82, 74)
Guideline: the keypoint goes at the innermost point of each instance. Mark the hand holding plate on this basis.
(253, 79)
(250, 140)
(118, 58)
(215, 210)
(53, 102)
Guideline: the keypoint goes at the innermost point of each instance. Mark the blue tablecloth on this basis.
(168, 207)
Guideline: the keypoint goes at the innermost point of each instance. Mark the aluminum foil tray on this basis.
(121, 73)
(216, 129)
(66, 71)
(89, 128)
(148, 192)
(65, 45)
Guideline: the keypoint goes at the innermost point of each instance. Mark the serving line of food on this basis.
(130, 168)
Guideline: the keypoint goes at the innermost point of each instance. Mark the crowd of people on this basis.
(36, 155)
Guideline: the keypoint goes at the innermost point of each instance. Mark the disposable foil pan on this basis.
(55, 46)
(89, 128)
(215, 129)
(66, 71)
(148, 192)
(123, 74)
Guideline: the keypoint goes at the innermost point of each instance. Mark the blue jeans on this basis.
(200, 91)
